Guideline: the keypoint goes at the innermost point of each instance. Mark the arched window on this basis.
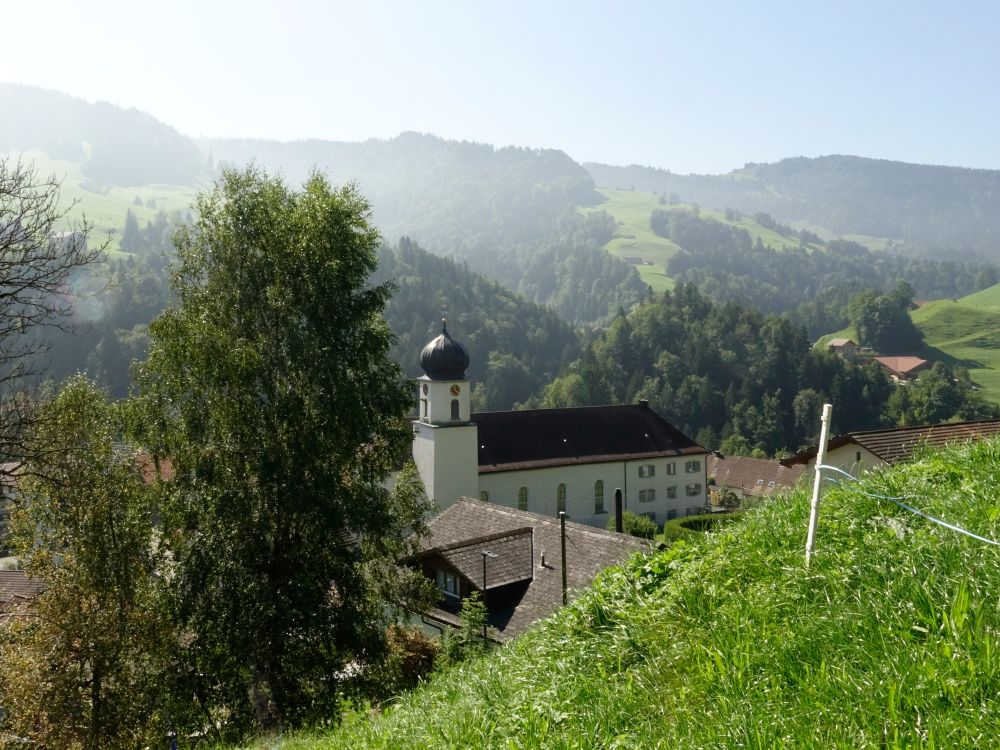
(560, 498)
(484, 496)
(454, 410)
(522, 498)
(599, 496)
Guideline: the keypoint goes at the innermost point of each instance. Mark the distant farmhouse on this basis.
(751, 477)
(858, 451)
(549, 460)
(903, 369)
(843, 347)
(513, 558)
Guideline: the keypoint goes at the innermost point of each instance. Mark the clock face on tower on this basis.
(455, 390)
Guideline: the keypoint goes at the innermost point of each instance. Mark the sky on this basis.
(698, 87)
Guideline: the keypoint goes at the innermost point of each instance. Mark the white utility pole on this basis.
(824, 431)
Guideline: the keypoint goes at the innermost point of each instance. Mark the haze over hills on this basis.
(535, 221)
(927, 208)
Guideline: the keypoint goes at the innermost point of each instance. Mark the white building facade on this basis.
(549, 460)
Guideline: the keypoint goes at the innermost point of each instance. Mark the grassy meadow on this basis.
(105, 206)
(890, 640)
(634, 238)
(967, 330)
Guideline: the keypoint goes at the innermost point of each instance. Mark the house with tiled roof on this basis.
(858, 451)
(903, 369)
(17, 589)
(549, 460)
(751, 477)
(842, 347)
(513, 558)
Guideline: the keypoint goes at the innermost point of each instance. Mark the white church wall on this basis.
(644, 492)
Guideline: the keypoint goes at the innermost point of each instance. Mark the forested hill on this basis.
(509, 212)
(928, 208)
(515, 347)
(115, 146)
(452, 194)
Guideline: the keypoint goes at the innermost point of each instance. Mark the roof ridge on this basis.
(480, 539)
(506, 510)
(914, 428)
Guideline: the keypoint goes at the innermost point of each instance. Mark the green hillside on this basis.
(927, 209)
(891, 638)
(634, 240)
(105, 206)
(968, 330)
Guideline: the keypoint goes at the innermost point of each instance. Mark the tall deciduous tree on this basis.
(270, 389)
(78, 667)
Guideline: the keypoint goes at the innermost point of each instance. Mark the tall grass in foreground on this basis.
(889, 640)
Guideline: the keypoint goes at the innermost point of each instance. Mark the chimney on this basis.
(618, 510)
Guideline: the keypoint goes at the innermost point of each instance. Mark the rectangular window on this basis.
(650, 516)
(692, 489)
(671, 469)
(694, 511)
(692, 466)
(671, 514)
(448, 583)
(647, 470)
(671, 493)
(647, 496)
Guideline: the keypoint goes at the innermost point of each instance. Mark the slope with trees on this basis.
(115, 146)
(735, 378)
(510, 213)
(515, 346)
(930, 209)
(816, 283)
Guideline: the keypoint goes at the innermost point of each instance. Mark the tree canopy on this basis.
(270, 390)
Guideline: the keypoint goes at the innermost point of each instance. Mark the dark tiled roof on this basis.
(536, 438)
(898, 444)
(474, 523)
(15, 587)
(756, 476)
(512, 561)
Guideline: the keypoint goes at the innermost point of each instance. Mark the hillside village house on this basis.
(751, 477)
(903, 369)
(855, 452)
(549, 460)
(514, 559)
(845, 348)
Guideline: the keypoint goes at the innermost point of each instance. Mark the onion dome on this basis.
(444, 358)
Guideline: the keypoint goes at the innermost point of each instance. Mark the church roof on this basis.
(538, 438)
(444, 358)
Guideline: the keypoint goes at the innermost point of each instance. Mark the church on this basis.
(549, 460)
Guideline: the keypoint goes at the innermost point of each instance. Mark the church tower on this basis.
(444, 436)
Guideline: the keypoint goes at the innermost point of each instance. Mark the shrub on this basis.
(635, 525)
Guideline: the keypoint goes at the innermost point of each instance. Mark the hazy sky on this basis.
(689, 86)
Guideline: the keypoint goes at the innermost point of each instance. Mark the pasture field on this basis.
(635, 242)
(968, 331)
(105, 206)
